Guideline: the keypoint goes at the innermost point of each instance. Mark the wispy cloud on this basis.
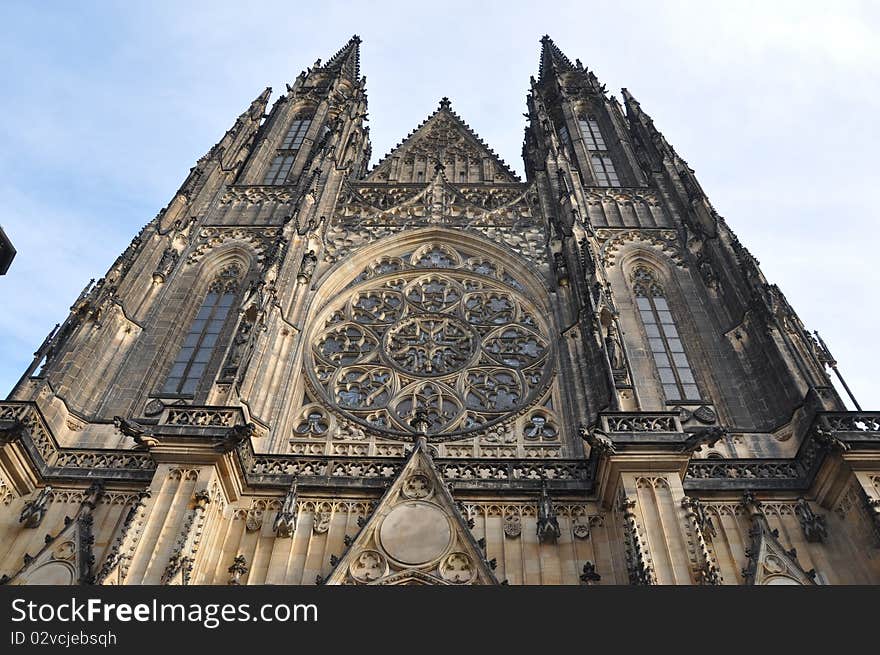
(107, 105)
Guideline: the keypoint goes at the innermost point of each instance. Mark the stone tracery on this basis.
(418, 332)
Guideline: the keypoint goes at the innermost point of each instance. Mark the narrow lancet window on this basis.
(600, 159)
(280, 167)
(664, 338)
(201, 339)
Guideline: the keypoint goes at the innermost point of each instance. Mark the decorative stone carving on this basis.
(561, 269)
(812, 524)
(467, 351)
(580, 528)
(641, 572)
(368, 566)
(238, 570)
(645, 422)
(322, 521)
(703, 437)
(285, 522)
(417, 486)
(166, 265)
(705, 414)
(254, 520)
(136, 431)
(589, 575)
(35, 510)
(457, 568)
(512, 526)
(154, 407)
(548, 525)
(598, 441)
(307, 267)
(614, 346)
(237, 435)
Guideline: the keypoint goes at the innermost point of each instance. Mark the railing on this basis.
(640, 422)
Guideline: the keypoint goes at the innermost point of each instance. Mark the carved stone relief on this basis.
(468, 351)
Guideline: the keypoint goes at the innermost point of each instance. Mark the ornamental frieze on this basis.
(260, 240)
(613, 240)
(626, 208)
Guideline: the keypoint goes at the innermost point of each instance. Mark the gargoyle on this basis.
(10, 431)
(238, 434)
(704, 437)
(598, 440)
(136, 431)
(827, 440)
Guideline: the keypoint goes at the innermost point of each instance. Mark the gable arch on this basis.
(344, 272)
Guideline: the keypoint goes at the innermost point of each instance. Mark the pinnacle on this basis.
(552, 58)
(445, 103)
(347, 60)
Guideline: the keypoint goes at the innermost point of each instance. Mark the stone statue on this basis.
(615, 348)
(548, 524)
(307, 267)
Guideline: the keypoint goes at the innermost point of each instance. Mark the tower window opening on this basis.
(201, 338)
(664, 339)
(600, 159)
(281, 165)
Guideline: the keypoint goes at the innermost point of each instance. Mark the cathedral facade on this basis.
(309, 370)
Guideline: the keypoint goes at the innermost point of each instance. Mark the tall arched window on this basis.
(600, 160)
(664, 338)
(280, 167)
(201, 339)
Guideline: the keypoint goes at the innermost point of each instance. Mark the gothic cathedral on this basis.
(307, 369)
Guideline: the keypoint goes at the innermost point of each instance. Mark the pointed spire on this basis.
(347, 62)
(258, 106)
(552, 58)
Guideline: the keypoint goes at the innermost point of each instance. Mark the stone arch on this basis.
(340, 275)
(197, 280)
(496, 301)
(668, 273)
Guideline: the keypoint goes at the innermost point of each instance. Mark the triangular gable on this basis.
(67, 558)
(769, 562)
(441, 136)
(416, 535)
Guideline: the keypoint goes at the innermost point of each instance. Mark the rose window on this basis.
(465, 350)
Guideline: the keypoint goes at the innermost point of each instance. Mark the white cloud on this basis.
(773, 104)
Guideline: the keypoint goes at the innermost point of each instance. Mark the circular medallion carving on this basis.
(773, 564)
(368, 566)
(430, 345)
(64, 551)
(415, 533)
(417, 486)
(457, 568)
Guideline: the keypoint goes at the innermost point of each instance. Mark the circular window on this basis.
(467, 350)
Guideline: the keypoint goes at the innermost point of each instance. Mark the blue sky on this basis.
(106, 106)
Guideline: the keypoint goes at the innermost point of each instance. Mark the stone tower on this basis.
(429, 371)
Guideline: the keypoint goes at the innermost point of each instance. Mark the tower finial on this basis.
(552, 58)
(347, 61)
(445, 103)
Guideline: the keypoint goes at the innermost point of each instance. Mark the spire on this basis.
(347, 62)
(258, 106)
(552, 58)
